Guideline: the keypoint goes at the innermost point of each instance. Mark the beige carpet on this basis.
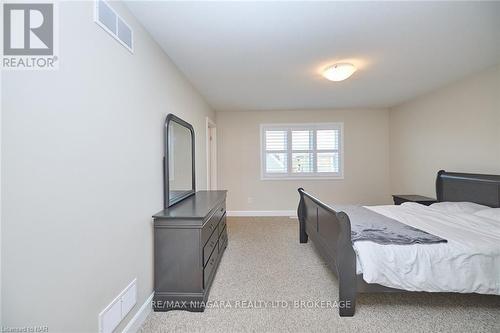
(265, 262)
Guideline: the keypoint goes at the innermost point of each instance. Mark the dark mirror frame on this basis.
(166, 190)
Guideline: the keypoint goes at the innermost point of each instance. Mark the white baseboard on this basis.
(140, 316)
(292, 213)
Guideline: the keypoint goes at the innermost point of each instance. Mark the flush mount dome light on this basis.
(339, 72)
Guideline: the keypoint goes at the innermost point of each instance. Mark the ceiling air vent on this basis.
(111, 22)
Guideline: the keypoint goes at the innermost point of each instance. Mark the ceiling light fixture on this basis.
(339, 72)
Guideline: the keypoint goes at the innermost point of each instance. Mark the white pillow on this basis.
(490, 213)
(458, 207)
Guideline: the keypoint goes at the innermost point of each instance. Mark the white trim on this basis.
(140, 316)
(1, 158)
(315, 177)
(302, 176)
(291, 213)
(211, 158)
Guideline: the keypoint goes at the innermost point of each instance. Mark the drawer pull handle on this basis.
(222, 209)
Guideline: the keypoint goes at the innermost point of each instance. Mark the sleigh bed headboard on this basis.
(481, 189)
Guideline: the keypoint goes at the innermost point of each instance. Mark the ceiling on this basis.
(269, 55)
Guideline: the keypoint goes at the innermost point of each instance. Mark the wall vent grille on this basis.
(113, 24)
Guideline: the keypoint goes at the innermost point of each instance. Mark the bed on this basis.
(467, 261)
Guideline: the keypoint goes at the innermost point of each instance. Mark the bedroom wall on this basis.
(456, 128)
(82, 174)
(366, 167)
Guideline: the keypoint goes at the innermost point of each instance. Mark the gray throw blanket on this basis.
(366, 225)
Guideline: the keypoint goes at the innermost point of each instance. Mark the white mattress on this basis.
(468, 263)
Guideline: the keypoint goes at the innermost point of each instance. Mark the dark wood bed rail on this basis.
(331, 232)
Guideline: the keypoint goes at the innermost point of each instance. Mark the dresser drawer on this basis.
(212, 222)
(208, 248)
(221, 210)
(222, 224)
(223, 239)
(209, 268)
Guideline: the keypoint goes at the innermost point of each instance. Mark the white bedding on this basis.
(468, 263)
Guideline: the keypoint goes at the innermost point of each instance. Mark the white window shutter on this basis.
(296, 151)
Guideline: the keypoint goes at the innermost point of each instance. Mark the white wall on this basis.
(456, 128)
(366, 166)
(82, 173)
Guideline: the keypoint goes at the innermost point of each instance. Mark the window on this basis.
(294, 151)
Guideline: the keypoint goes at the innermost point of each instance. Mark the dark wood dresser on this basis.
(189, 240)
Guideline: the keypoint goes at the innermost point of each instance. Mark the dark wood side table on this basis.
(400, 198)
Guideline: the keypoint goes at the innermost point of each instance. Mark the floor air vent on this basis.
(113, 24)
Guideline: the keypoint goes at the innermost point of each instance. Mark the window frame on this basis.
(289, 175)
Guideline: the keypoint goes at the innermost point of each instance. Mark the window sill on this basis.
(303, 178)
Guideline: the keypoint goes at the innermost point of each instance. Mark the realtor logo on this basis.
(28, 29)
(29, 36)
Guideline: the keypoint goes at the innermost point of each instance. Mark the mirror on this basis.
(179, 178)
